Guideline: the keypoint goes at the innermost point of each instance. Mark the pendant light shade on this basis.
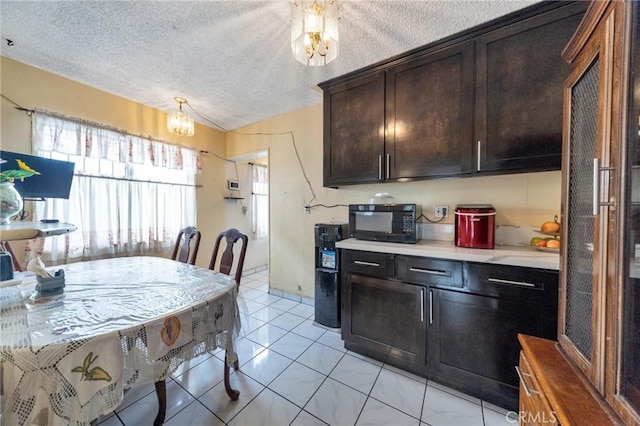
(314, 31)
(178, 122)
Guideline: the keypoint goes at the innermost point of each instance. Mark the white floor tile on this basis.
(249, 324)
(366, 358)
(291, 345)
(202, 377)
(250, 306)
(502, 418)
(375, 413)
(306, 419)
(356, 373)
(396, 396)
(194, 414)
(284, 304)
(297, 383)
(245, 350)
(252, 294)
(191, 363)
(267, 313)
(303, 310)
(320, 357)
(287, 321)
(444, 409)
(146, 409)
(109, 420)
(405, 373)
(400, 392)
(218, 401)
(266, 298)
(135, 394)
(266, 366)
(266, 409)
(266, 335)
(308, 330)
(333, 340)
(336, 404)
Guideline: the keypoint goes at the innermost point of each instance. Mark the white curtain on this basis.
(130, 195)
(259, 200)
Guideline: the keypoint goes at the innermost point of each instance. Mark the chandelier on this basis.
(314, 31)
(178, 122)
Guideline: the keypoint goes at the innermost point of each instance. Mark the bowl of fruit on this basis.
(552, 241)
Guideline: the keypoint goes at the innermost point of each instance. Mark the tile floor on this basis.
(293, 372)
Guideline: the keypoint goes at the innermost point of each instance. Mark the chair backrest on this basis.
(231, 236)
(187, 243)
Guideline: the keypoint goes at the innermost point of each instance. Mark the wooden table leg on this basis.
(233, 394)
(161, 393)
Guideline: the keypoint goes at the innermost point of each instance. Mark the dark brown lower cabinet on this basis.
(385, 320)
(473, 342)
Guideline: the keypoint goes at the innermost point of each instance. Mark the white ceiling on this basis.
(231, 59)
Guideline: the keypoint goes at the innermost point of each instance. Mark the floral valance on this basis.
(85, 139)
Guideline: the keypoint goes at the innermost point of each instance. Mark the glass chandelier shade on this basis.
(178, 122)
(314, 31)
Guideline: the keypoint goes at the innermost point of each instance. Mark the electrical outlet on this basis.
(441, 211)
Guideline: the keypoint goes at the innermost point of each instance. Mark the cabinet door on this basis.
(385, 320)
(430, 114)
(473, 342)
(520, 75)
(354, 131)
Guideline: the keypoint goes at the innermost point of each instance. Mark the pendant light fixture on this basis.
(314, 31)
(178, 122)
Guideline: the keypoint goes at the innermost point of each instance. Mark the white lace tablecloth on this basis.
(120, 323)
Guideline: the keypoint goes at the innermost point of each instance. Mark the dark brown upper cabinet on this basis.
(429, 113)
(519, 79)
(485, 101)
(354, 131)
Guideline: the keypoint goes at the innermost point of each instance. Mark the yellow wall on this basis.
(33, 88)
(521, 199)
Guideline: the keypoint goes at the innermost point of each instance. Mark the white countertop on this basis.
(529, 257)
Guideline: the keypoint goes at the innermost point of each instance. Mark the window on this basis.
(259, 200)
(130, 195)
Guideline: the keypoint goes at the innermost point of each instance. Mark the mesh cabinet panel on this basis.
(580, 238)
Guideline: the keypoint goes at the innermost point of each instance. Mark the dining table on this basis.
(67, 357)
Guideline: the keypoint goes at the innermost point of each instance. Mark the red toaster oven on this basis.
(475, 226)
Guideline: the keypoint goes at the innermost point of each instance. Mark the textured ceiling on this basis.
(232, 60)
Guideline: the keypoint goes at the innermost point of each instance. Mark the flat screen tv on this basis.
(37, 177)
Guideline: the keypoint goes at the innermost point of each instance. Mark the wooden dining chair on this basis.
(187, 243)
(231, 237)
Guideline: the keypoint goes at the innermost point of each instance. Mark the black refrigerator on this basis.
(327, 286)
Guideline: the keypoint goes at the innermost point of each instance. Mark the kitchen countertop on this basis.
(524, 256)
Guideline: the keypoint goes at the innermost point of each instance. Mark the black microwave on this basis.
(394, 223)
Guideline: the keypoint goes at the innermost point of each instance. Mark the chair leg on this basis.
(233, 394)
(161, 393)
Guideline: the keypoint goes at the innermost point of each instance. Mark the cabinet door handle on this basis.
(422, 305)
(379, 167)
(479, 149)
(427, 271)
(430, 306)
(388, 164)
(524, 385)
(360, 262)
(520, 283)
(596, 187)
